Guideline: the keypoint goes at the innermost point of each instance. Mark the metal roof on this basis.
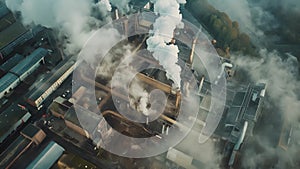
(10, 63)
(29, 61)
(30, 130)
(13, 150)
(3, 9)
(11, 33)
(40, 87)
(84, 118)
(11, 118)
(7, 80)
(47, 157)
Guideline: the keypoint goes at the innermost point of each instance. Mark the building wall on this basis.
(10, 87)
(37, 102)
(29, 71)
(56, 114)
(39, 137)
(76, 128)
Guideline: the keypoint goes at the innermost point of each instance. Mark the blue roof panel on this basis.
(29, 61)
(47, 157)
(7, 80)
(10, 63)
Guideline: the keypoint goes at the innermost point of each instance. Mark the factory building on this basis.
(59, 107)
(30, 135)
(34, 134)
(73, 161)
(243, 104)
(19, 40)
(13, 33)
(48, 157)
(10, 63)
(14, 151)
(13, 117)
(42, 89)
(29, 64)
(22, 70)
(242, 111)
(87, 118)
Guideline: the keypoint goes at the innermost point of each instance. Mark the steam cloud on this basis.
(283, 105)
(163, 28)
(267, 20)
(72, 18)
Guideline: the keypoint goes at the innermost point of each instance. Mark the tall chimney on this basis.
(192, 52)
(178, 98)
(116, 14)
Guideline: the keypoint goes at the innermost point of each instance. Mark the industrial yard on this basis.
(125, 95)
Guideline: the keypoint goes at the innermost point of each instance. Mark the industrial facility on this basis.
(30, 137)
(42, 89)
(58, 110)
(23, 69)
(13, 117)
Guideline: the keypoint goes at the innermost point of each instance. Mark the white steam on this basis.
(122, 5)
(162, 33)
(72, 18)
(283, 106)
(106, 4)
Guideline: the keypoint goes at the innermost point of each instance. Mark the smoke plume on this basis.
(162, 33)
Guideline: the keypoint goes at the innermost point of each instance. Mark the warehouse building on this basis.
(48, 157)
(34, 134)
(8, 83)
(13, 151)
(73, 161)
(30, 136)
(10, 63)
(13, 117)
(42, 89)
(22, 70)
(13, 33)
(29, 64)
(87, 118)
(59, 107)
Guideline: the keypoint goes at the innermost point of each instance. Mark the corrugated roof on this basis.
(13, 150)
(47, 157)
(29, 61)
(11, 118)
(40, 87)
(7, 80)
(10, 63)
